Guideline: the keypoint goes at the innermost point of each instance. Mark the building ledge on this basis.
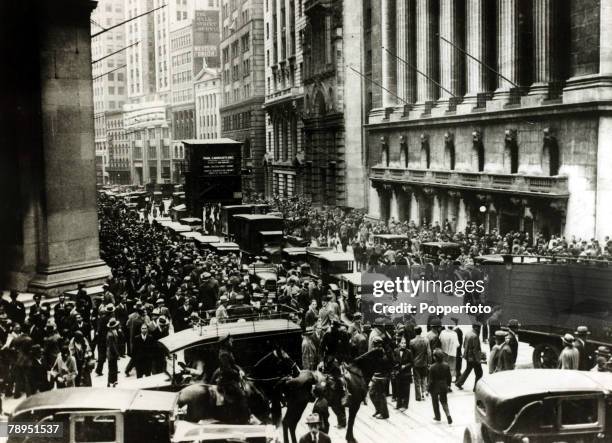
(556, 187)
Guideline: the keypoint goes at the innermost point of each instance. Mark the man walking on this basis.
(472, 354)
(421, 354)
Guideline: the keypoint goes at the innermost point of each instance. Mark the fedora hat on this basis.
(313, 419)
(568, 339)
(112, 324)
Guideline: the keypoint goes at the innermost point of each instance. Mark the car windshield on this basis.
(579, 411)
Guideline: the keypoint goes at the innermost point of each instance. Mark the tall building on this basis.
(207, 96)
(284, 97)
(108, 73)
(119, 152)
(194, 44)
(173, 43)
(242, 84)
(493, 112)
(314, 101)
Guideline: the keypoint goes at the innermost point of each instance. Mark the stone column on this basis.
(451, 59)
(476, 46)
(427, 58)
(406, 45)
(507, 46)
(394, 206)
(436, 210)
(414, 209)
(462, 218)
(595, 85)
(374, 203)
(387, 13)
(65, 228)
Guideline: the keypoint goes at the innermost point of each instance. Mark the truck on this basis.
(551, 296)
(257, 233)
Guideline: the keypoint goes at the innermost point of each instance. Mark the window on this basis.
(120, 77)
(579, 411)
(111, 76)
(101, 428)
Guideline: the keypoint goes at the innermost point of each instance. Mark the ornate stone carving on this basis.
(476, 136)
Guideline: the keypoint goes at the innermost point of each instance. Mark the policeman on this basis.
(378, 387)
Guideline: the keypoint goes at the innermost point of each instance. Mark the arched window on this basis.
(320, 106)
(403, 151)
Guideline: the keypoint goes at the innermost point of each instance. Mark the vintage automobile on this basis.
(395, 241)
(227, 220)
(432, 250)
(542, 405)
(250, 338)
(193, 222)
(324, 264)
(105, 415)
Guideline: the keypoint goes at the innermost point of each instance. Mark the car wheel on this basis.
(472, 435)
(545, 356)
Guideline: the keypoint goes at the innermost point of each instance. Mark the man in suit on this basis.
(143, 351)
(15, 309)
(421, 354)
(472, 354)
(314, 435)
(403, 377)
(37, 372)
(181, 320)
(112, 351)
(439, 381)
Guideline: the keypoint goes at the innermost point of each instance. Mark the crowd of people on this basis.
(161, 284)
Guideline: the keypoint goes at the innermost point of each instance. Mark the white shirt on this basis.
(449, 341)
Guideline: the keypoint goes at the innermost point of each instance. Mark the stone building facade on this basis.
(119, 152)
(491, 111)
(242, 85)
(308, 87)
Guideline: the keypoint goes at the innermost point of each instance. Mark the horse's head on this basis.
(276, 363)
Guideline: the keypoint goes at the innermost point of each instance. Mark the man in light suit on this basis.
(314, 435)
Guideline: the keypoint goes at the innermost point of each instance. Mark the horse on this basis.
(267, 372)
(203, 401)
(297, 391)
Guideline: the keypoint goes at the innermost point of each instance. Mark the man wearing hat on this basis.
(112, 351)
(569, 357)
(15, 309)
(221, 312)
(161, 330)
(378, 387)
(314, 435)
(143, 352)
(500, 358)
(37, 371)
(239, 309)
(586, 361)
(513, 338)
(421, 354)
(107, 313)
(472, 354)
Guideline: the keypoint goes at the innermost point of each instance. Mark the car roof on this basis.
(391, 236)
(333, 256)
(209, 430)
(98, 399)
(507, 385)
(440, 243)
(257, 217)
(189, 338)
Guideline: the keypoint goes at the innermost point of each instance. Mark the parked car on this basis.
(105, 415)
(542, 405)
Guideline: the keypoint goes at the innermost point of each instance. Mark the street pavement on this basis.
(415, 424)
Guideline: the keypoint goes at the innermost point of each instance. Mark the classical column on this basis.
(476, 46)
(406, 46)
(414, 209)
(436, 210)
(451, 59)
(374, 203)
(394, 206)
(427, 58)
(507, 45)
(462, 218)
(545, 16)
(65, 223)
(387, 13)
